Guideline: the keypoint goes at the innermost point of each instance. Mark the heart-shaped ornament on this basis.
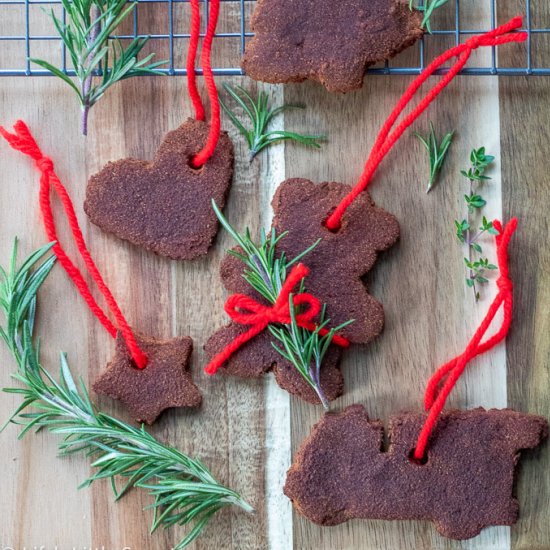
(164, 205)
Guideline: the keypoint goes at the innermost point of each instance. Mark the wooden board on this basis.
(246, 431)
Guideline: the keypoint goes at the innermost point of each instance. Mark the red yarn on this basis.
(191, 57)
(385, 141)
(246, 311)
(215, 124)
(436, 394)
(23, 141)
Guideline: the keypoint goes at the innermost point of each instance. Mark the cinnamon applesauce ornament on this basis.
(147, 374)
(455, 468)
(163, 205)
(331, 42)
(349, 232)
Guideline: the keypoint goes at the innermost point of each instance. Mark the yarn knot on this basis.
(475, 42)
(244, 310)
(505, 285)
(45, 165)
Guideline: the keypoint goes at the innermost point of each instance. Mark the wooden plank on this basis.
(228, 430)
(32, 475)
(524, 133)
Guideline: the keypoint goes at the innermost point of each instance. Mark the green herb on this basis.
(480, 161)
(437, 152)
(427, 7)
(184, 491)
(306, 349)
(260, 114)
(94, 54)
(477, 269)
(266, 274)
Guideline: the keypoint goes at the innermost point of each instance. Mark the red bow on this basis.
(246, 311)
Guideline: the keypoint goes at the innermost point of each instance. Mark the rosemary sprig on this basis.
(306, 349)
(260, 114)
(95, 55)
(184, 491)
(437, 152)
(266, 273)
(475, 174)
(427, 7)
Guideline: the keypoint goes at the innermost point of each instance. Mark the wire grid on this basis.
(27, 40)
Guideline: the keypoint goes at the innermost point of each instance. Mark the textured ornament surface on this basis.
(331, 42)
(340, 471)
(164, 205)
(164, 383)
(337, 266)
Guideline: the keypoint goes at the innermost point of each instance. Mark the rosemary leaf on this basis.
(98, 60)
(427, 7)
(258, 137)
(184, 491)
(437, 152)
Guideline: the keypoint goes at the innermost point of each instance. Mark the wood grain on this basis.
(246, 430)
(525, 123)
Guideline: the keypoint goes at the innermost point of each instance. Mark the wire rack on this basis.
(26, 41)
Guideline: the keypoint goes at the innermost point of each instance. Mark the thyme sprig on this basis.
(427, 7)
(261, 115)
(466, 231)
(184, 491)
(437, 152)
(266, 272)
(95, 54)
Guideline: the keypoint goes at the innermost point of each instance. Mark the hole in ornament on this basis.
(418, 461)
(325, 225)
(195, 169)
(133, 364)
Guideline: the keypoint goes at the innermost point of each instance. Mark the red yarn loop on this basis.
(443, 381)
(215, 124)
(386, 140)
(22, 140)
(246, 311)
(191, 57)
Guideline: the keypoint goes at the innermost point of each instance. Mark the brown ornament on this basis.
(164, 383)
(337, 266)
(341, 472)
(331, 42)
(164, 205)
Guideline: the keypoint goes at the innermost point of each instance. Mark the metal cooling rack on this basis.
(29, 42)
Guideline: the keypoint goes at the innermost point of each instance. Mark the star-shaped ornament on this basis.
(164, 383)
